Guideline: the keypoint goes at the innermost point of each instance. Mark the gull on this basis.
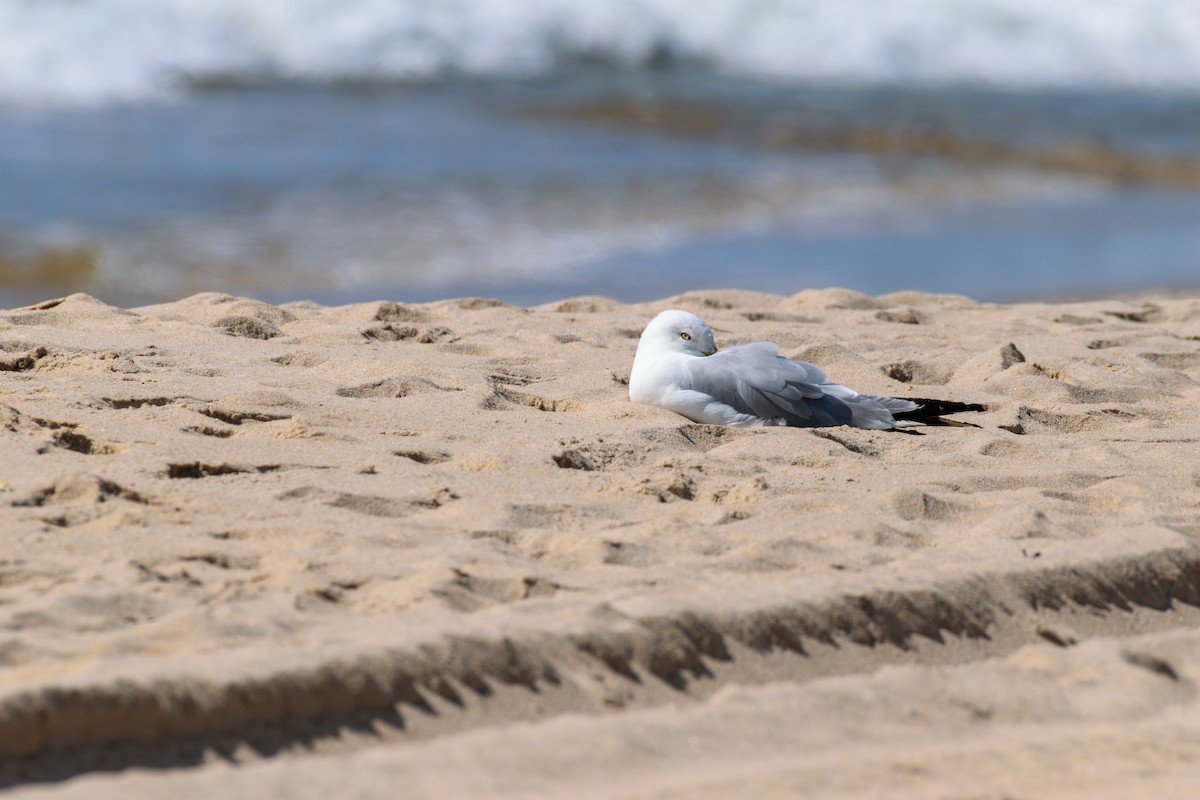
(677, 367)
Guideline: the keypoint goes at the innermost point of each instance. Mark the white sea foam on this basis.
(100, 51)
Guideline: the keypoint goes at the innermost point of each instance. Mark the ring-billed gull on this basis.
(677, 367)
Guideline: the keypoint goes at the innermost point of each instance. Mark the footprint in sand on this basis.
(372, 505)
(393, 387)
(77, 442)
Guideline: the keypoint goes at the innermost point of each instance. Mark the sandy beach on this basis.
(308, 551)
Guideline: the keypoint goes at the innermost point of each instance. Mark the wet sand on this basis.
(435, 546)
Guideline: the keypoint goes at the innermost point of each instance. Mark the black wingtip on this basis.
(928, 411)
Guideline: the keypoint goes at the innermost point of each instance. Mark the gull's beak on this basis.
(709, 352)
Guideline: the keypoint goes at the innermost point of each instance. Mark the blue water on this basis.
(340, 193)
(1135, 241)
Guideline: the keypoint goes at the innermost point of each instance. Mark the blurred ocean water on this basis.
(363, 149)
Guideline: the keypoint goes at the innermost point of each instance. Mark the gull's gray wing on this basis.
(754, 379)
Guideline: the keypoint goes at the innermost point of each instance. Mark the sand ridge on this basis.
(233, 523)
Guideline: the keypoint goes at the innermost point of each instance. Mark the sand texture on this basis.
(301, 551)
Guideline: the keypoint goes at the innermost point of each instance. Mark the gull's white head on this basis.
(678, 332)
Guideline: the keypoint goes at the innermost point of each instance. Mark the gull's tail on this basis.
(930, 412)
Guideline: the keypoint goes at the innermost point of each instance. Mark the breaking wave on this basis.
(105, 51)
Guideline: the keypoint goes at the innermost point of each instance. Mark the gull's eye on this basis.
(687, 337)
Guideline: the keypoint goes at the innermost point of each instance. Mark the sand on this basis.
(434, 550)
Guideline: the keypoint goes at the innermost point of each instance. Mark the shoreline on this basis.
(341, 544)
